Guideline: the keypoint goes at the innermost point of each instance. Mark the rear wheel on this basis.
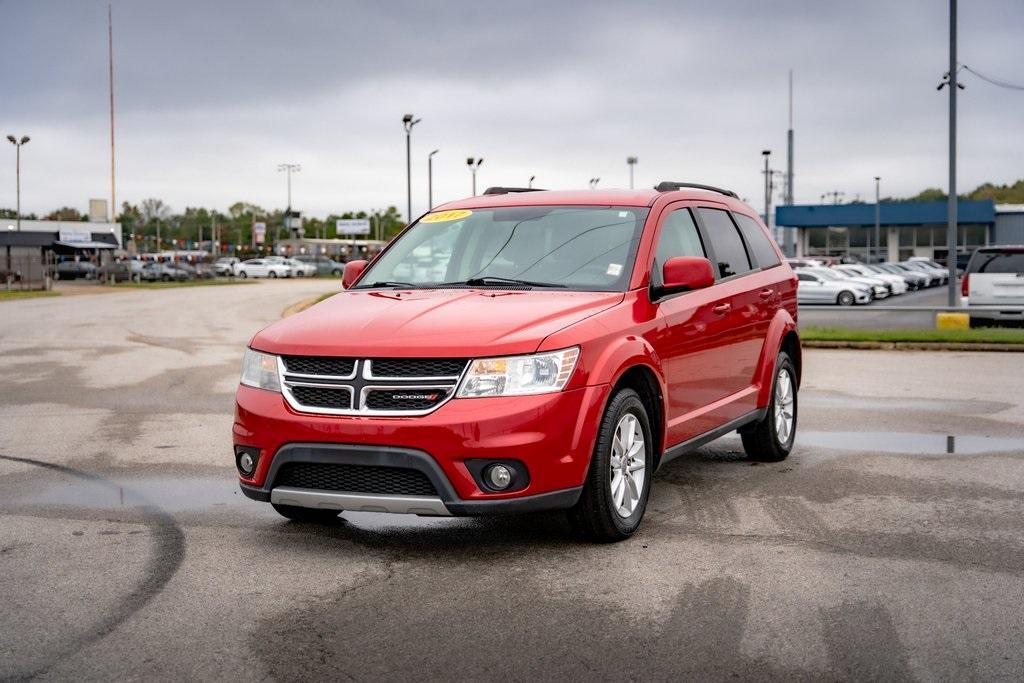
(243, 275)
(273, 273)
(846, 299)
(771, 439)
(301, 514)
(618, 482)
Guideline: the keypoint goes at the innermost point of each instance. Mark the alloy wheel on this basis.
(628, 465)
(783, 406)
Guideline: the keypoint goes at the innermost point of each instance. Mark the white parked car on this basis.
(993, 284)
(817, 287)
(879, 287)
(258, 267)
(225, 265)
(898, 285)
(300, 269)
(922, 266)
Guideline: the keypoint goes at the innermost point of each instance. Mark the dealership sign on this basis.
(353, 226)
(259, 232)
(75, 235)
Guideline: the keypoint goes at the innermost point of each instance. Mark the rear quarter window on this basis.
(758, 242)
(997, 262)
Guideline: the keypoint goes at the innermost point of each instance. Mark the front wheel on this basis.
(301, 514)
(845, 299)
(273, 274)
(618, 481)
(771, 439)
(244, 275)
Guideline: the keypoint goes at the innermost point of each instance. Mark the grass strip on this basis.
(15, 294)
(981, 335)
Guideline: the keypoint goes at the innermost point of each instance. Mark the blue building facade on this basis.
(906, 229)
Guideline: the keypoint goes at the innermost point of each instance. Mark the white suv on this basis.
(993, 284)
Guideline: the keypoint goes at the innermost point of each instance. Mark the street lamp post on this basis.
(430, 179)
(288, 169)
(17, 173)
(529, 185)
(878, 218)
(408, 122)
(767, 153)
(593, 183)
(632, 162)
(473, 165)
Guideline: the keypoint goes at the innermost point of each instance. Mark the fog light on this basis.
(245, 459)
(499, 477)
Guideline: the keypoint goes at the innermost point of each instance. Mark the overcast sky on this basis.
(211, 96)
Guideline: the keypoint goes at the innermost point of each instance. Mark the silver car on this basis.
(879, 288)
(816, 287)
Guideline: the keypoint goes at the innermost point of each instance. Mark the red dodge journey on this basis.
(527, 350)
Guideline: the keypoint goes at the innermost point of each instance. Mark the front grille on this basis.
(397, 481)
(418, 367)
(404, 399)
(319, 365)
(354, 386)
(320, 397)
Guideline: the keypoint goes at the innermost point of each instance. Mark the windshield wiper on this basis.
(390, 283)
(491, 280)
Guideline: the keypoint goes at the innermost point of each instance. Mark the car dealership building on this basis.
(905, 228)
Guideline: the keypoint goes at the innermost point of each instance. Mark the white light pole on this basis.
(473, 165)
(632, 162)
(288, 169)
(529, 185)
(430, 179)
(878, 219)
(408, 122)
(17, 173)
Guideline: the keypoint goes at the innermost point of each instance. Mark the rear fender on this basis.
(782, 324)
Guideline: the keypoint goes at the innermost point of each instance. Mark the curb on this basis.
(913, 346)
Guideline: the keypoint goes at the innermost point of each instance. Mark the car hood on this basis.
(443, 322)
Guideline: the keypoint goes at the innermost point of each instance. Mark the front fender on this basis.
(782, 324)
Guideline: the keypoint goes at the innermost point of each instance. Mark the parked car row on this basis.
(847, 284)
(279, 266)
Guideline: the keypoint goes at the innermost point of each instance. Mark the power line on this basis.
(994, 81)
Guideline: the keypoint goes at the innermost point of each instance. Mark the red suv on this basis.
(527, 350)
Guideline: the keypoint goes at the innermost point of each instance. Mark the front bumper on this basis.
(552, 435)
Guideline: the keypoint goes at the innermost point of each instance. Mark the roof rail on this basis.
(510, 190)
(669, 186)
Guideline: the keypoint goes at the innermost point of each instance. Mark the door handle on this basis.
(722, 309)
(767, 293)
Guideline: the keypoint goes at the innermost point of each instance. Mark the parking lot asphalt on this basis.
(870, 316)
(889, 545)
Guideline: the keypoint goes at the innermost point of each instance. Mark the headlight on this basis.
(260, 370)
(539, 373)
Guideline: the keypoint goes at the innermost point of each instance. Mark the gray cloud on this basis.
(211, 96)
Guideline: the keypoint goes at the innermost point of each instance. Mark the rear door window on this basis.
(730, 254)
(997, 262)
(758, 242)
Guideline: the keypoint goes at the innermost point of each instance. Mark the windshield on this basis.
(573, 247)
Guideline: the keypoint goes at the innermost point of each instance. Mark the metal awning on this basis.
(87, 245)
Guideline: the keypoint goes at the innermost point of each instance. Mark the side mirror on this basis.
(353, 269)
(684, 273)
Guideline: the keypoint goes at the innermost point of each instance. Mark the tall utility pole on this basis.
(430, 179)
(767, 153)
(632, 162)
(473, 165)
(110, 63)
(408, 122)
(787, 238)
(17, 173)
(288, 169)
(951, 211)
(529, 185)
(878, 220)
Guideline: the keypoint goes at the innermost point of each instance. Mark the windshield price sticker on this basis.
(446, 216)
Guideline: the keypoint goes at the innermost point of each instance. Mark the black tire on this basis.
(594, 514)
(761, 440)
(336, 273)
(846, 299)
(301, 514)
(165, 278)
(273, 274)
(244, 275)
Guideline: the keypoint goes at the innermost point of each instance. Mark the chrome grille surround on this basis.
(360, 383)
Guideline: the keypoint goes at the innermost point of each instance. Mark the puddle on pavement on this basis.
(910, 443)
(170, 494)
